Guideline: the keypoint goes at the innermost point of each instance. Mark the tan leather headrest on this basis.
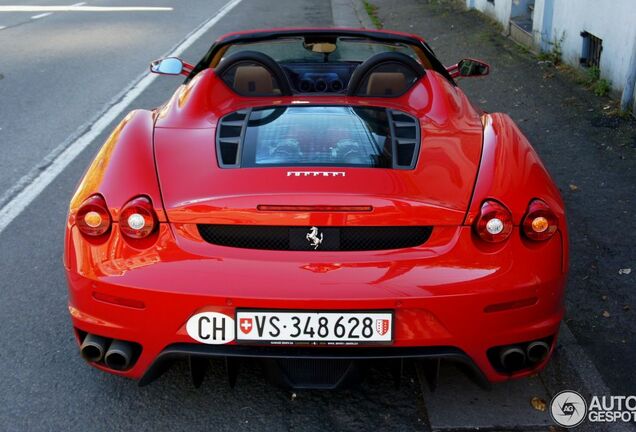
(386, 84)
(253, 80)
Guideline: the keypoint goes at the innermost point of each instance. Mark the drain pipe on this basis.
(628, 90)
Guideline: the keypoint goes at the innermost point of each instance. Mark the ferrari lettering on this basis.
(211, 328)
(315, 173)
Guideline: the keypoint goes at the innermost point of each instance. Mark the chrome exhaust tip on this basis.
(512, 358)
(119, 355)
(537, 351)
(93, 348)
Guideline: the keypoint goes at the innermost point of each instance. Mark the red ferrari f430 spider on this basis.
(318, 200)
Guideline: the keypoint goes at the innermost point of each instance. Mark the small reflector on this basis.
(137, 304)
(317, 208)
(511, 305)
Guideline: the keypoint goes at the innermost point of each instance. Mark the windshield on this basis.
(295, 50)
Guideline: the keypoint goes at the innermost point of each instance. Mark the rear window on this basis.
(337, 136)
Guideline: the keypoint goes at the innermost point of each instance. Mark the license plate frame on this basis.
(241, 339)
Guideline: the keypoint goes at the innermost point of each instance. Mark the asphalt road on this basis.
(58, 72)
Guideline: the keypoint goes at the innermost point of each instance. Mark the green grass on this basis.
(602, 87)
(372, 11)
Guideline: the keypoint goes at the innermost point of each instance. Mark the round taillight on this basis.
(93, 218)
(137, 219)
(494, 223)
(540, 222)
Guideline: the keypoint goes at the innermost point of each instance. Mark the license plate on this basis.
(332, 328)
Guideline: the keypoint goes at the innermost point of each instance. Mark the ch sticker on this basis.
(211, 328)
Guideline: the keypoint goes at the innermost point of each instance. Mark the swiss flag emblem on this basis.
(245, 324)
(382, 326)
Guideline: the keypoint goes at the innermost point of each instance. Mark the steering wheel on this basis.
(251, 57)
(381, 59)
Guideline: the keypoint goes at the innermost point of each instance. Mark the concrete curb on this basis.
(572, 369)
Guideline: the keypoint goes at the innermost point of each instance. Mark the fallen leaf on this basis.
(604, 297)
(606, 314)
(538, 404)
(626, 307)
(573, 187)
(624, 271)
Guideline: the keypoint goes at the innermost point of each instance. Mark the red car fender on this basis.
(512, 173)
(123, 168)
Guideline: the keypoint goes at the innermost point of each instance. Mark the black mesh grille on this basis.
(332, 238)
(305, 372)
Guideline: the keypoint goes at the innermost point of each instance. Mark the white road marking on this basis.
(2, 27)
(34, 17)
(81, 8)
(27, 189)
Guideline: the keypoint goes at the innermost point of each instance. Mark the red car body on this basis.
(454, 297)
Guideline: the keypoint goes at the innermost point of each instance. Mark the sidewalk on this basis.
(592, 157)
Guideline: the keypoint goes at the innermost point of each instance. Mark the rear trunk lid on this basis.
(196, 190)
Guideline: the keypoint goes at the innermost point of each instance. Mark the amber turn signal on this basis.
(93, 218)
(540, 222)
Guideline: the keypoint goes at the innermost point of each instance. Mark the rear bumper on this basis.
(452, 298)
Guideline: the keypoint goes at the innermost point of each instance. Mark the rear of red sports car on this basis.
(316, 232)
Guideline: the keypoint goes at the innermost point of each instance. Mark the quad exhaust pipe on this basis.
(513, 358)
(93, 348)
(116, 354)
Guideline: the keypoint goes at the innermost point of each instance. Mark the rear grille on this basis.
(310, 373)
(359, 238)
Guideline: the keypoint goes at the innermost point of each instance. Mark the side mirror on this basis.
(469, 68)
(167, 66)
